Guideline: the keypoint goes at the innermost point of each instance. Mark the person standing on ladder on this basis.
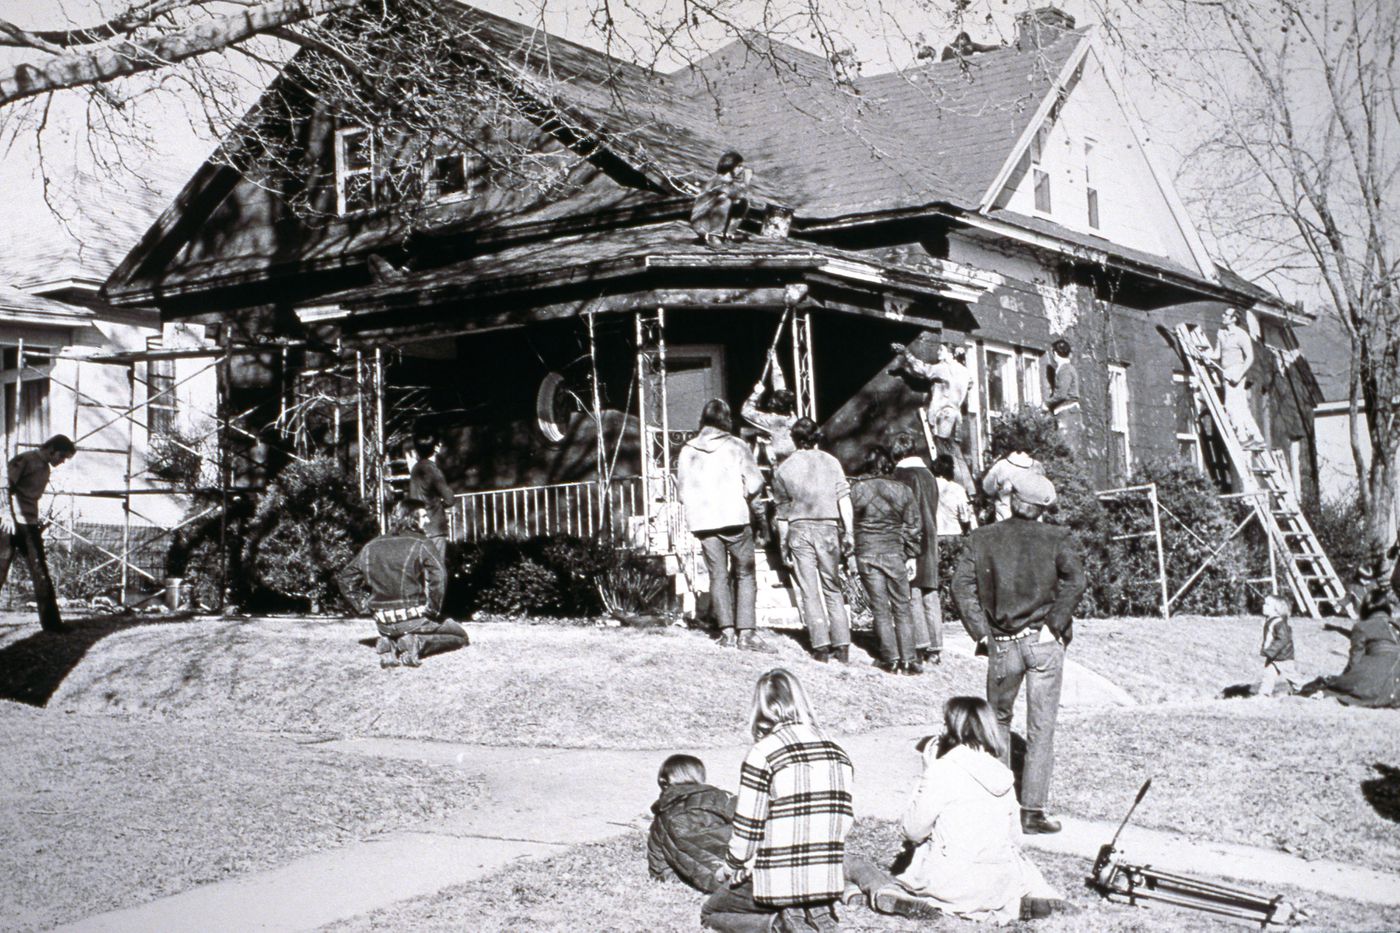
(1232, 357)
(951, 382)
(1063, 402)
(20, 530)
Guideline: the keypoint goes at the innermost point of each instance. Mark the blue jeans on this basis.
(927, 609)
(731, 594)
(28, 542)
(887, 584)
(1042, 666)
(816, 563)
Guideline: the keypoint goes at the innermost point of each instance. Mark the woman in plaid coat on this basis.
(783, 870)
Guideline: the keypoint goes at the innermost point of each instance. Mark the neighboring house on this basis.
(998, 200)
(54, 329)
(1329, 348)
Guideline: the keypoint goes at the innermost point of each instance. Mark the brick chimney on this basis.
(1040, 27)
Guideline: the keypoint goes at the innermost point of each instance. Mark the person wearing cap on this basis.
(1016, 585)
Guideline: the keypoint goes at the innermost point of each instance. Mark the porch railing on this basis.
(557, 509)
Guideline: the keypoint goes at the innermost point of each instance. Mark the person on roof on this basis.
(724, 202)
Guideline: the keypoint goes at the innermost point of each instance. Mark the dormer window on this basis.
(354, 170)
(1091, 193)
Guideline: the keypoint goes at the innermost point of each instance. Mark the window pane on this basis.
(449, 175)
(1184, 407)
(1042, 191)
(1030, 379)
(356, 151)
(34, 411)
(1093, 196)
(358, 193)
(1000, 394)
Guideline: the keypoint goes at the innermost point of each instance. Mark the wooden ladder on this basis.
(1311, 579)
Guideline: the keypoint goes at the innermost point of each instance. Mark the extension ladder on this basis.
(1311, 579)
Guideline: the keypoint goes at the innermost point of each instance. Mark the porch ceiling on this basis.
(650, 251)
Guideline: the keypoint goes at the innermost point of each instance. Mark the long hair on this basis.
(878, 461)
(805, 434)
(716, 414)
(728, 162)
(778, 698)
(969, 721)
(401, 519)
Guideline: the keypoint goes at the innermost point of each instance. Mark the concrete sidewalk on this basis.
(539, 800)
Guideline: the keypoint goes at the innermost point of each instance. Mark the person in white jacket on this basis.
(964, 824)
(717, 476)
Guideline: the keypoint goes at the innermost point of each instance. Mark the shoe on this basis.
(409, 646)
(892, 899)
(889, 667)
(821, 654)
(842, 654)
(913, 667)
(1035, 823)
(387, 657)
(749, 641)
(851, 894)
(931, 656)
(727, 639)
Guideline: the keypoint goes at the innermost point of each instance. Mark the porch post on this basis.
(804, 374)
(655, 429)
(600, 449)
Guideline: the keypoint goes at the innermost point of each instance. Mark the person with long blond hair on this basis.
(784, 866)
(964, 825)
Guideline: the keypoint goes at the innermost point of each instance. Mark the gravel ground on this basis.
(98, 814)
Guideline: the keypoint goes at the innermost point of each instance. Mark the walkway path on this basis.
(543, 799)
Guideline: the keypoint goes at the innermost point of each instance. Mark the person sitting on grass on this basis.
(1372, 675)
(963, 824)
(1277, 649)
(406, 581)
(690, 833)
(783, 870)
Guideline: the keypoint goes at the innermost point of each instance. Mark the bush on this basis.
(540, 576)
(1339, 524)
(310, 523)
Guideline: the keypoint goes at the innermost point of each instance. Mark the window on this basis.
(354, 170)
(1091, 193)
(1039, 145)
(1001, 382)
(1031, 376)
(26, 395)
(454, 177)
(160, 393)
(1187, 412)
(1121, 458)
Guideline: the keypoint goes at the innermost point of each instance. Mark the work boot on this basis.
(727, 638)
(893, 899)
(387, 657)
(821, 654)
(913, 667)
(409, 646)
(889, 667)
(842, 654)
(749, 641)
(1035, 822)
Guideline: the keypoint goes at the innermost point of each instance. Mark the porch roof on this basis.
(613, 254)
(19, 307)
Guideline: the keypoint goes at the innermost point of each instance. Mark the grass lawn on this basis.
(97, 815)
(1193, 657)
(516, 684)
(1292, 774)
(604, 887)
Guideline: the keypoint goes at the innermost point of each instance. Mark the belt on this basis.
(1024, 633)
(392, 616)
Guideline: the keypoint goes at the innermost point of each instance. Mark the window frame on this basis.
(344, 171)
(1187, 384)
(26, 432)
(1119, 406)
(472, 182)
(1091, 193)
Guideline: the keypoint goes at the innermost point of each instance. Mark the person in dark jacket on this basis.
(889, 537)
(1372, 675)
(691, 829)
(406, 581)
(427, 484)
(1016, 585)
(924, 603)
(1276, 646)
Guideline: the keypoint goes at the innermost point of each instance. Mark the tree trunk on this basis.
(1383, 518)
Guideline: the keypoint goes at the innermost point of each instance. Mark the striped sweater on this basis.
(792, 816)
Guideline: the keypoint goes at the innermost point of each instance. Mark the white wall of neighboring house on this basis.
(1133, 211)
(1336, 467)
(86, 400)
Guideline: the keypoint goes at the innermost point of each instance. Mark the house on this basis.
(74, 364)
(561, 333)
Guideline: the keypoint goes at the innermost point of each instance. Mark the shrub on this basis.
(540, 576)
(1338, 523)
(633, 587)
(310, 523)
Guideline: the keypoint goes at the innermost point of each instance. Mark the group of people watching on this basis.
(773, 858)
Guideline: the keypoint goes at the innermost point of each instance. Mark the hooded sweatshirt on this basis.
(717, 476)
(965, 823)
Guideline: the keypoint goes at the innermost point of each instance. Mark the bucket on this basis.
(174, 592)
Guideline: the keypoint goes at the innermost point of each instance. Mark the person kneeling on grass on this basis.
(964, 824)
(406, 579)
(690, 833)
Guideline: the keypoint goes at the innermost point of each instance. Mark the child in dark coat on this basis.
(690, 833)
(1276, 647)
